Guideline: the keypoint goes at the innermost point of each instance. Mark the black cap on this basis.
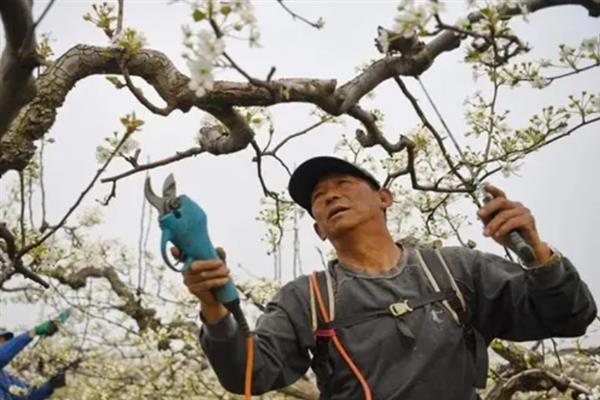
(307, 175)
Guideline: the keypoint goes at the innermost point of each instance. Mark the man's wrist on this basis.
(543, 254)
(549, 257)
(212, 313)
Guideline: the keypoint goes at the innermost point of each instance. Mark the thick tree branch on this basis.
(16, 262)
(19, 58)
(144, 317)
(519, 357)
(535, 380)
(154, 67)
(374, 135)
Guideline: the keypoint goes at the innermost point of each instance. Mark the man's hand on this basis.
(46, 329)
(501, 216)
(201, 277)
(59, 380)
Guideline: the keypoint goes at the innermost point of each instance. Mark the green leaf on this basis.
(199, 15)
(225, 10)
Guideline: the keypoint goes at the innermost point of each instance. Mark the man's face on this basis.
(341, 203)
(2, 340)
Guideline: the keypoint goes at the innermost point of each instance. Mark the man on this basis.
(11, 387)
(423, 354)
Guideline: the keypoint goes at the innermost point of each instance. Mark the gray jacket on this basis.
(422, 355)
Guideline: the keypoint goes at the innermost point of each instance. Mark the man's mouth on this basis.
(335, 211)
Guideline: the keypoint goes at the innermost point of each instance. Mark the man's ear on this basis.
(386, 197)
(319, 232)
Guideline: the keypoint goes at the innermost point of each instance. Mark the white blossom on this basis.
(208, 45)
(595, 102)
(130, 38)
(590, 44)
(202, 79)
(539, 82)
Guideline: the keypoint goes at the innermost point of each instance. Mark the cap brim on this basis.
(7, 335)
(307, 175)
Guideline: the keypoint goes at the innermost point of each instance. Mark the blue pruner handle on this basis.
(186, 228)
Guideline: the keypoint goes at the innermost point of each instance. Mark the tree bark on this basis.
(19, 58)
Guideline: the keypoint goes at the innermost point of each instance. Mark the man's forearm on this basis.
(11, 348)
(41, 393)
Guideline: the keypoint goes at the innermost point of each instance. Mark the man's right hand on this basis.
(201, 277)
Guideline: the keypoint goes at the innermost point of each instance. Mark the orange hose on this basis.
(337, 343)
(249, 367)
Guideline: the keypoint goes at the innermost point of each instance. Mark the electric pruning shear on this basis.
(515, 241)
(184, 224)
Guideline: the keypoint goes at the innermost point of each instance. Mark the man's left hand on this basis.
(501, 216)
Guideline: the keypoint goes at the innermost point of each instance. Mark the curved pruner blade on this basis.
(169, 188)
(152, 198)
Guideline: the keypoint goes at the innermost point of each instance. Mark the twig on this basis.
(120, 17)
(432, 212)
(22, 211)
(43, 15)
(267, 191)
(258, 160)
(520, 153)
(141, 256)
(454, 228)
(145, 244)
(42, 188)
(490, 41)
(194, 151)
(140, 96)
(271, 73)
(410, 169)
(413, 101)
(111, 195)
(488, 146)
(287, 169)
(297, 134)
(553, 78)
(30, 200)
(322, 257)
(256, 82)
(53, 229)
(316, 25)
(555, 350)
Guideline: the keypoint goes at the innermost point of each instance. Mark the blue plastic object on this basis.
(64, 315)
(186, 228)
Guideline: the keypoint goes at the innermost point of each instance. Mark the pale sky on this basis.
(558, 184)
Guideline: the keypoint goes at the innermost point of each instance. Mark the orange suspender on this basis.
(314, 284)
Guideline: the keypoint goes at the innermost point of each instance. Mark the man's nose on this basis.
(331, 196)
